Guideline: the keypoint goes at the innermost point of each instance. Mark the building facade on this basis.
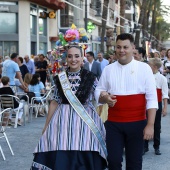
(22, 29)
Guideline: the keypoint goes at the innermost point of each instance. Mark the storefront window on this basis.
(8, 23)
(43, 48)
(9, 47)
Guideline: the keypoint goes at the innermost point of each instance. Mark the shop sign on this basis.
(90, 27)
(4, 8)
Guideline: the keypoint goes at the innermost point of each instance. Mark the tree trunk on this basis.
(104, 17)
(141, 18)
(122, 14)
(153, 23)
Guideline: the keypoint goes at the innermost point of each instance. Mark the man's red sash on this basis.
(159, 94)
(128, 108)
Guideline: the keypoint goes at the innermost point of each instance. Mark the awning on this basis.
(52, 4)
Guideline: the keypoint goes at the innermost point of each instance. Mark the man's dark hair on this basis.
(141, 51)
(14, 55)
(90, 53)
(5, 80)
(163, 49)
(21, 59)
(125, 36)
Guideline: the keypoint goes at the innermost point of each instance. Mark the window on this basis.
(66, 16)
(8, 23)
(33, 24)
(33, 48)
(1, 49)
(43, 48)
(8, 3)
(42, 24)
(9, 47)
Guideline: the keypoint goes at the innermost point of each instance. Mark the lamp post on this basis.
(85, 19)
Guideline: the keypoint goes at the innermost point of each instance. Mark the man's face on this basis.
(100, 56)
(163, 53)
(136, 55)
(26, 59)
(16, 59)
(89, 57)
(124, 51)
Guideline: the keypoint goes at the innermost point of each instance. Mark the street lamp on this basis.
(85, 18)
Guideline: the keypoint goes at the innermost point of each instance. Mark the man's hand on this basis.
(148, 132)
(164, 111)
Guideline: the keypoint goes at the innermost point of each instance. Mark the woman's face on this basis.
(168, 54)
(74, 59)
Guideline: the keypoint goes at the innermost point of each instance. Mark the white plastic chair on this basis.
(4, 117)
(43, 102)
(7, 101)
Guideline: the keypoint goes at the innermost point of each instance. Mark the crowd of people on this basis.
(25, 74)
(101, 108)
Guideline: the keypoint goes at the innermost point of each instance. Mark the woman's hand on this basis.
(105, 97)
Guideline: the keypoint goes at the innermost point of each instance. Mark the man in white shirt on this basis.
(92, 65)
(163, 54)
(103, 62)
(128, 87)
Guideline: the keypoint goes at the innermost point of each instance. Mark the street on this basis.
(24, 139)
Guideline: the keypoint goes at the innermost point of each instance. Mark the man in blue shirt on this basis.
(11, 69)
(103, 62)
(30, 65)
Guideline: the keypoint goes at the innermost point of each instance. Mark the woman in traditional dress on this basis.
(70, 142)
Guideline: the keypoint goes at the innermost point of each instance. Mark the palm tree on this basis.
(142, 5)
(122, 14)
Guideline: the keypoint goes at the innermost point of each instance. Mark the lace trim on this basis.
(84, 89)
(40, 166)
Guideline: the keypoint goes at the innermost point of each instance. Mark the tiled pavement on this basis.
(24, 139)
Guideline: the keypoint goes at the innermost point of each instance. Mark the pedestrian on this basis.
(128, 87)
(6, 90)
(11, 69)
(41, 68)
(30, 64)
(103, 62)
(166, 65)
(68, 141)
(140, 54)
(23, 68)
(92, 65)
(162, 93)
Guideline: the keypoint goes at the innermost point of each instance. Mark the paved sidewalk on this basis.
(24, 140)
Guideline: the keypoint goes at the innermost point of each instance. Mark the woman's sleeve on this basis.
(92, 97)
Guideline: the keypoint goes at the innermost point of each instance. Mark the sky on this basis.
(166, 2)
